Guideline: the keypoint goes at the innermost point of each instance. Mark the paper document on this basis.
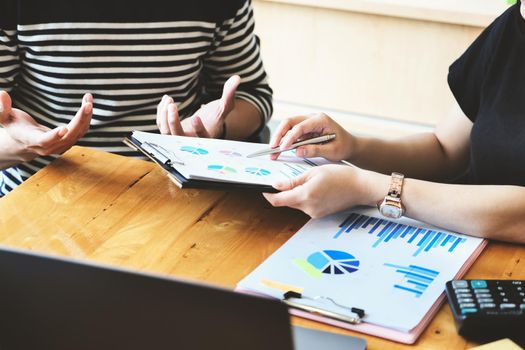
(393, 269)
(223, 160)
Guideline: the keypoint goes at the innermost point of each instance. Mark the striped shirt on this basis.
(128, 54)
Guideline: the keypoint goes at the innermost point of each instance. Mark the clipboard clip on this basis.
(359, 314)
(161, 154)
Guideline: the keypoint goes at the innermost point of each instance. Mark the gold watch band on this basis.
(396, 185)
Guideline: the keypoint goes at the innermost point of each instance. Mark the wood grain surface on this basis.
(126, 212)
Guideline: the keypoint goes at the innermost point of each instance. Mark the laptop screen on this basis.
(53, 303)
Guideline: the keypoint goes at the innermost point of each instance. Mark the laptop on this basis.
(56, 303)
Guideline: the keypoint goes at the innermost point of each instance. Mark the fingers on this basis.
(51, 137)
(283, 128)
(79, 125)
(291, 198)
(292, 192)
(173, 120)
(87, 98)
(311, 151)
(228, 92)
(162, 115)
(291, 183)
(299, 130)
(5, 107)
(198, 127)
(168, 119)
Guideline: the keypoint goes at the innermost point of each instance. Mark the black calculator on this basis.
(488, 309)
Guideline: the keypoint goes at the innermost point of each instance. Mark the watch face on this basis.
(391, 211)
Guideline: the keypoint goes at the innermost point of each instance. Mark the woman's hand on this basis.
(303, 127)
(208, 121)
(31, 139)
(328, 189)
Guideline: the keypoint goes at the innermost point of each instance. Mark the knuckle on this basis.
(297, 129)
(44, 152)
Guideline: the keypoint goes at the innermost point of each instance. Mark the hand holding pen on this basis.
(299, 128)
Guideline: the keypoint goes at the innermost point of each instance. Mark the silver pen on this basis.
(319, 139)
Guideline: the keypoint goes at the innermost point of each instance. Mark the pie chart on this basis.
(257, 171)
(334, 262)
(194, 150)
(230, 153)
(221, 169)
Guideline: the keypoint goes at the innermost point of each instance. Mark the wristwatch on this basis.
(391, 205)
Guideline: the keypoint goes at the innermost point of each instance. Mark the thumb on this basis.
(87, 98)
(292, 183)
(228, 91)
(5, 107)
(87, 103)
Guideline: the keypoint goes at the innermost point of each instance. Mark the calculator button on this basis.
(487, 305)
(459, 284)
(522, 306)
(466, 305)
(481, 290)
(469, 310)
(478, 284)
(484, 295)
(463, 291)
(507, 306)
(465, 300)
(463, 295)
(485, 300)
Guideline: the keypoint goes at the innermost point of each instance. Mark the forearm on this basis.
(418, 156)
(242, 121)
(490, 211)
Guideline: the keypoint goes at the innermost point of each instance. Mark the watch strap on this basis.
(396, 185)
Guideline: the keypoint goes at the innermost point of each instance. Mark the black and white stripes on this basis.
(127, 66)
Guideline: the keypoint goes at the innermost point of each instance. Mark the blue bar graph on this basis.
(385, 231)
(416, 279)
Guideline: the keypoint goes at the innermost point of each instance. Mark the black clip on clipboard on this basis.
(290, 295)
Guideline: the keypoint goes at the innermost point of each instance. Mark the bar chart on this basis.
(416, 279)
(384, 231)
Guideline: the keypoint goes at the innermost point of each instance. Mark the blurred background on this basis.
(379, 67)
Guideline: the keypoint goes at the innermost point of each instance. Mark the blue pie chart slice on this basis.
(194, 150)
(334, 262)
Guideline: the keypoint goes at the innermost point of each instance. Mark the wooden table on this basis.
(126, 212)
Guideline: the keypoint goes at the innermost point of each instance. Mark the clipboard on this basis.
(378, 331)
(182, 182)
(402, 336)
